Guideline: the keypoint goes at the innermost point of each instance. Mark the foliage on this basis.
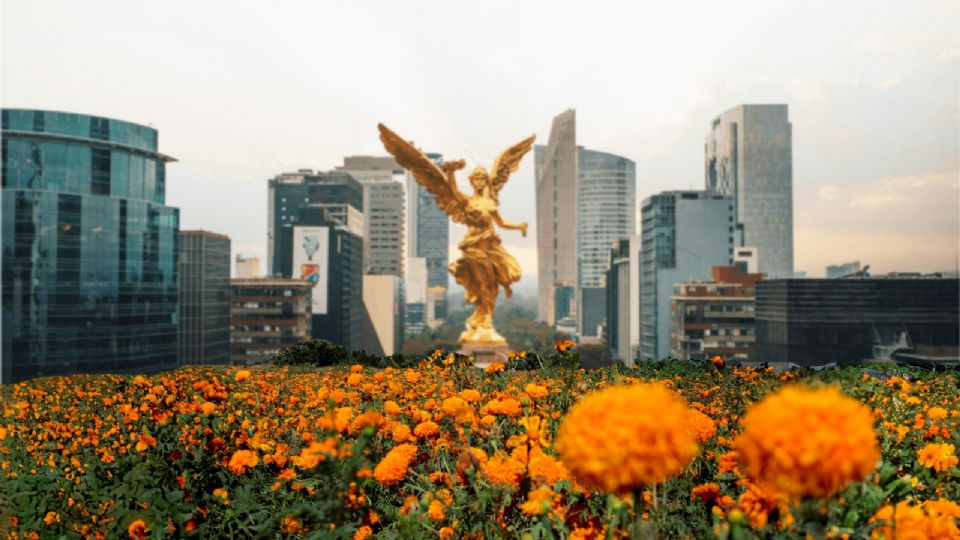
(305, 452)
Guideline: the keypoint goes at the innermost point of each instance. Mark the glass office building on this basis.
(89, 247)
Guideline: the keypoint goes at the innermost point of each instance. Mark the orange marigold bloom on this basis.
(705, 492)
(625, 437)
(393, 467)
(138, 530)
(504, 470)
(457, 408)
(937, 456)
(470, 395)
(494, 367)
(535, 391)
(222, 493)
(316, 452)
(51, 518)
(931, 519)
(936, 413)
(538, 502)
(470, 459)
(702, 425)
(242, 375)
(728, 462)
(241, 460)
(208, 407)
(145, 441)
(400, 433)
(446, 533)
(355, 379)
(427, 429)
(435, 511)
(504, 407)
(363, 532)
(808, 443)
(291, 525)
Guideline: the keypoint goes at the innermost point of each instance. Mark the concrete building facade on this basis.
(247, 267)
(556, 198)
(749, 156)
(204, 334)
(684, 234)
(715, 318)
(384, 302)
(266, 315)
(384, 212)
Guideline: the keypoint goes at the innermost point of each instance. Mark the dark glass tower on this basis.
(204, 298)
(89, 247)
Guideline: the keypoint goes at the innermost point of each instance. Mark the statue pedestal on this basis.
(485, 353)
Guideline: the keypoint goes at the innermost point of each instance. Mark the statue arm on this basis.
(522, 227)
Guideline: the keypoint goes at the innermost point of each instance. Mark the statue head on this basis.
(479, 179)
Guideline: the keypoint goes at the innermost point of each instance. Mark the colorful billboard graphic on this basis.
(311, 257)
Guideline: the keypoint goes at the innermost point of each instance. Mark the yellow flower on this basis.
(936, 413)
(393, 467)
(241, 460)
(625, 437)
(937, 456)
(808, 443)
(222, 493)
(51, 518)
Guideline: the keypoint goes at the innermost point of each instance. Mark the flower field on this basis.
(445, 450)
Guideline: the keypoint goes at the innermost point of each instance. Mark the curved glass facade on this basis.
(89, 248)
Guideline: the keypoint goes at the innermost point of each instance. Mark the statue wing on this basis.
(509, 162)
(449, 198)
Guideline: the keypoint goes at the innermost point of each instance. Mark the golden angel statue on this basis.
(485, 265)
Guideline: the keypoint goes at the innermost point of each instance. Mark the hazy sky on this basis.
(241, 91)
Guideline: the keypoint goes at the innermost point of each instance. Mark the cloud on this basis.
(828, 193)
(889, 82)
(892, 190)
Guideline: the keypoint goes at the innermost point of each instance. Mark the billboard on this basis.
(311, 258)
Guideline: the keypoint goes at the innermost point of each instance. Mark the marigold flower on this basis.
(503, 470)
(138, 530)
(354, 379)
(316, 452)
(808, 443)
(446, 533)
(145, 441)
(538, 502)
(625, 437)
(937, 456)
(242, 375)
(291, 525)
(936, 413)
(241, 460)
(51, 518)
(470, 395)
(705, 492)
(221, 493)
(427, 429)
(494, 367)
(363, 532)
(536, 391)
(208, 407)
(435, 510)
(931, 519)
(400, 433)
(393, 467)
(504, 407)
(702, 425)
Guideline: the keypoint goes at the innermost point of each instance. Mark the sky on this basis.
(241, 91)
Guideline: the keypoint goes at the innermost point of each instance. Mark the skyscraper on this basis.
(556, 191)
(606, 200)
(749, 156)
(89, 247)
(339, 192)
(684, 234)
(204, 298)
(429, 232)
(623, 300)
(247, 267)
(383, 210)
